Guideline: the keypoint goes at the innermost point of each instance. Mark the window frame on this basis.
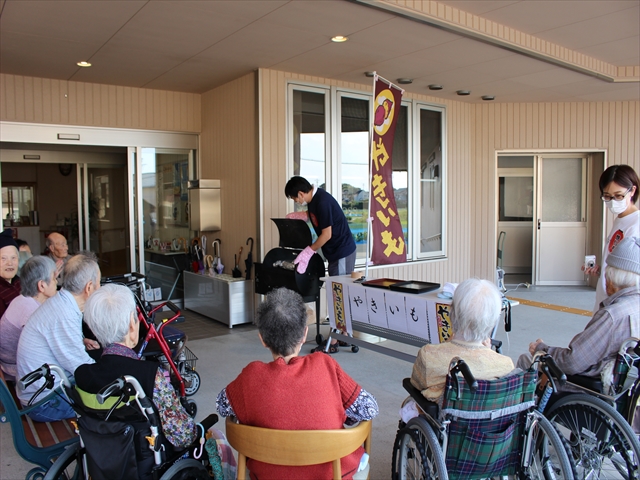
(333, 160)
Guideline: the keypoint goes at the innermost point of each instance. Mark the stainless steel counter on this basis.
(222, 298)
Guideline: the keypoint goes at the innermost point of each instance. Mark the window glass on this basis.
(431, 192)
(165, 176)
(309, 136)
(18, 202)
(354, 164)
(400, 177)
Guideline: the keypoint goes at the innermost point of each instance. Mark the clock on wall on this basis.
(65, 168)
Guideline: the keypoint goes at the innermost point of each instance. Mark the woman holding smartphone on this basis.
(619, 191)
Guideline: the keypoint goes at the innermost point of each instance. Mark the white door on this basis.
(561, 223)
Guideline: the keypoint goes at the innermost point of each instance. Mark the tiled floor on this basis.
(198, 326)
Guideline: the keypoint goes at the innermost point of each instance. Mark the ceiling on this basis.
(194, 46)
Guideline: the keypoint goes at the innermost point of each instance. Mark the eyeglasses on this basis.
(618, 196)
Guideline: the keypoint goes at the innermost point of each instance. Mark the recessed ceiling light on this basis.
(488, 97)
(369, 74)
(464, 92)
(339, 38)
(435, 86)
(405, 81)
(83, 64)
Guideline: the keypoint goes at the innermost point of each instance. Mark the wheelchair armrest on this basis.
(592, 383)
(430, 408)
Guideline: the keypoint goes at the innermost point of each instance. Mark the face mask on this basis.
(617, 206)
(303, 203)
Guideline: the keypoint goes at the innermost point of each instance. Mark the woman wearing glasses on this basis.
(619, 192)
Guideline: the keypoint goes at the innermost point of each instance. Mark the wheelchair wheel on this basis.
(549, 455)
(188, 469)
(192, 378)
(417, 453)
(68, 466)
(602, 443)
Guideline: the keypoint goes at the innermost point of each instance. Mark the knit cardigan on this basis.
(308, 393)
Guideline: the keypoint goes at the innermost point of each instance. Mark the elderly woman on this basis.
(292, 392)
(474, 314)
(38, 284)
(110, 312)
(617, 319)
(9, 281)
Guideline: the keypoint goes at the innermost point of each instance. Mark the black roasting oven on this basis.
(277, 269)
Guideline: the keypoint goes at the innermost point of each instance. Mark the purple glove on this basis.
(297, 216)
(302, 260)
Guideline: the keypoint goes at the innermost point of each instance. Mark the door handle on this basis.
(538, 224)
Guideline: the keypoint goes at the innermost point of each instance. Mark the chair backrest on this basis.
(296, 447)
(485, 433)
(36, 442)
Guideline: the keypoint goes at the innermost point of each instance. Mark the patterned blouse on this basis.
(178, 427)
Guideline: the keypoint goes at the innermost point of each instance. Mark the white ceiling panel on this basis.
(197, 45)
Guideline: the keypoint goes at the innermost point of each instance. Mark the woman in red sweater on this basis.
(295, 393)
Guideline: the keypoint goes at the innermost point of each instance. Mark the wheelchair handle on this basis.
(553, 368)
(463, 368)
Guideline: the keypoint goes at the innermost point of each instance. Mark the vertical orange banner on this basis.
(387, 237)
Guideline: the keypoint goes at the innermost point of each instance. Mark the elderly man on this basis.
(9, 281)
(53, 334)
(617, 319)
(58, 251)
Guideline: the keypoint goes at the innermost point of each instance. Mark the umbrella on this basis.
(249, 261)
(217, 260)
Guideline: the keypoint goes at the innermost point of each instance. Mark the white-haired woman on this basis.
(110, 313)
(474, 314)
(38, 283)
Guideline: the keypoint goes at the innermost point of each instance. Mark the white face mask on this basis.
(617, 206)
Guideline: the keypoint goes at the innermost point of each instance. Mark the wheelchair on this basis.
(596, 421)
(121, 436)
(485, 428)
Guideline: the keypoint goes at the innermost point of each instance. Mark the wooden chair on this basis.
(296, 447)
(37, 442)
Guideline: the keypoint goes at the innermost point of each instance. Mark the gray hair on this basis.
(475, 310)
(615, 276)
(80, 270)
(35, 269)
(281, 320)
(108, 313)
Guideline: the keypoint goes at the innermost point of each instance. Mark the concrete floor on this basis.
(223, 355)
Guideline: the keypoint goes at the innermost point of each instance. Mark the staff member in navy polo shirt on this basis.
(329, 223)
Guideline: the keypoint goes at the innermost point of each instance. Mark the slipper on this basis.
(343, 344)
(333, 348)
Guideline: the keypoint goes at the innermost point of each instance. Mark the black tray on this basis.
(414, 286)
(382, 282)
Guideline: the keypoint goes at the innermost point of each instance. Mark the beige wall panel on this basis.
(457, 265)
(612, 126)
(228, 152)
(41, 100)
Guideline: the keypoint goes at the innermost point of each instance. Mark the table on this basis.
(413, 319)
(409, 318)
(220, 297)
